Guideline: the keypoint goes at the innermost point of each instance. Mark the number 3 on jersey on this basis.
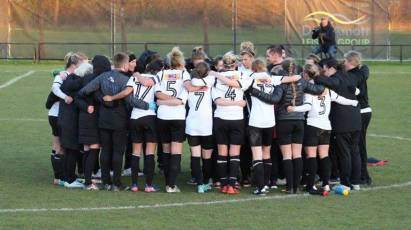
(230, 93)
(322, 105)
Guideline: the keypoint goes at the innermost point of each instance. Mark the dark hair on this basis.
(330, 63)
(287, 63)
(155, 66)
(276, 49)
(100, 64)
(131, 57)
(200, 70)
(217, 59)
(120, 59)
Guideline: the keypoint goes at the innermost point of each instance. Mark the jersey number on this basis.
(144, 93)
(230, 93)
(322, 105)
(261, 86)
(171, 89)
(200, 98)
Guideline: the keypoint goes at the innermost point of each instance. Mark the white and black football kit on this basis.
(199, 121)
(262, 118)
(229, 120)
(171, 119)
(143, 122)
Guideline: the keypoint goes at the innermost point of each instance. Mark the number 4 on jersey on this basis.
(230, 93)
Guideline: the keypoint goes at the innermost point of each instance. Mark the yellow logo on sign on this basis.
(340, 19)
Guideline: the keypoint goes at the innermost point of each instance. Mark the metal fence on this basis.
(57, 50)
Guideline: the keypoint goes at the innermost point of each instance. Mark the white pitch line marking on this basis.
(23, 119)
(183, 204)
(14, 80)
(391, 137)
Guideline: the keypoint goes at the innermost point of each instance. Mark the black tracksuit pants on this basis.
(366, 118)
(348, 154)
(113, 144)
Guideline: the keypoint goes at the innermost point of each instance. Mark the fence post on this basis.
(302, 53)
(401, 54)
(38, 52)
(35, 53)
(145, 46)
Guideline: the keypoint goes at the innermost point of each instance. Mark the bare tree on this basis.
(56, 12)
(40, 21)
(205, 26)
(123, 26)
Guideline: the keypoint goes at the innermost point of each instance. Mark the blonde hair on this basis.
(73, 59)
(176, 58)
(120, 59)
(67, 56)
(247, 47)
(312, 70)
(229, 59)
(314, 57)
(82, 56)
(198, 53)
(259, 65)
(83, 69)
(353, 57)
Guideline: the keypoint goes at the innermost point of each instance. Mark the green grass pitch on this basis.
(26, 175)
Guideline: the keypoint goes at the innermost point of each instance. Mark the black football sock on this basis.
(207, 167)
(166, 166)
(90, 164)
(196, 169)
(222, 169)
(258, 171)
(149, 165)
(288, 171)
(135, 168)
(298, 171)
(175, 161)
(325, 166)
(311, 170)
(267, 171)
(233, 172)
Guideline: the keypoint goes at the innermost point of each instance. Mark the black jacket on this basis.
(68, 113)
(328, 38)
(88, 123)
(344, 118)
(114, 115)
(283, 96)
(363, 73)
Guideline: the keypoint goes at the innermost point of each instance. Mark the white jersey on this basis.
(144, 93)
(318, 115)
(57, 82)
(172, 84)
(221, 90)
(199, 121)
(262, 114)
(244, 71)
(54, 110)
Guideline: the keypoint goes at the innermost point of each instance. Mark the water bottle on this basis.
(342, 190)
